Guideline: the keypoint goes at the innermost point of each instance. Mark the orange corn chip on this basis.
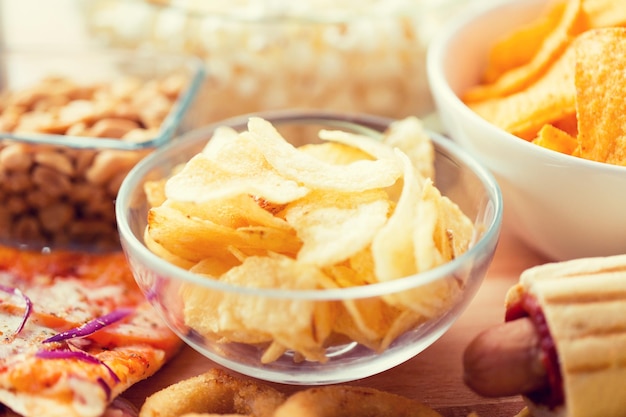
(554, 138)
(568, 124)
(573, 22)
(551, 98)
(600, 81)
(605, 13)
(519, 47)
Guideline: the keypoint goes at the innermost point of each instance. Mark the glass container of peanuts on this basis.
(363, 56)
(72, 124)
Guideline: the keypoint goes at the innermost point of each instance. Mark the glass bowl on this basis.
(458, 176)
(72, 123)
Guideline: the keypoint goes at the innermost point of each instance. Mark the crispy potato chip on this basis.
(334, 226)
(237, 169)
(366, 321)
(410, 137)
(334, 152)
(600, 82)
(238, 211)
(166, 255)
(155, 192)
(454, 231)
(520, 47)
(572, 22)
(551, 98)
(370, 146)
(551, 137)
(247, 314)
(196, 239)
(392, 247)
(314, 173)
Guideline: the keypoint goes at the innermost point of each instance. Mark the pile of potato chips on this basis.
(254, 211)
(558, 80)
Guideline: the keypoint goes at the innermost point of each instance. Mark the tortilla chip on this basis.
(551, 98)
(556, 139)
(573, 22)
(600, 80)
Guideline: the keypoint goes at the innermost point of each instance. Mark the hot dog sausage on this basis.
(505, 360)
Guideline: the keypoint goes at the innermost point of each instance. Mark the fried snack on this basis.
(556, 81)
(218, 393)
(214, 392)
(578, 308)
(254, 211)
(350, 401)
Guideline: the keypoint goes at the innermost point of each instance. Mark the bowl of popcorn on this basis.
(309, 247)
(270, 55)
(530, 89)
(72, 124)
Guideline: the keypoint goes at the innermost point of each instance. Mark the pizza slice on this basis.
(75, 332)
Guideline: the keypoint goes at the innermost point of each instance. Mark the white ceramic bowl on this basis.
(564, 207)
(458, 176)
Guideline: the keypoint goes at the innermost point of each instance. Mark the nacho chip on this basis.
(600, 82)
(605, 13)
(551, 98)
(520, 47)
(552, 137)
(573, 22)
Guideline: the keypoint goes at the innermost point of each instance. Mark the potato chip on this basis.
(551, 137)
(454, 231)
(410, 137)
(155, 192)
(334, 226)
(600, 82)
(334, 152)
(366, 144)
(239, 313)
(392, 247)
(238, 168)
(312, 172)
(366, 321)
(551, 98)
(195, 239)
(572, 22)
(238, 211)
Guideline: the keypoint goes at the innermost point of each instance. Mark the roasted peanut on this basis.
(15, 157)
(59, 194)
(51, 182)
(113, 128)
(55, 160)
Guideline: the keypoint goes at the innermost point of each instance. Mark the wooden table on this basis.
(434, 377)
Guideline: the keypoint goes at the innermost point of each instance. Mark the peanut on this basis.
(61, 195)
